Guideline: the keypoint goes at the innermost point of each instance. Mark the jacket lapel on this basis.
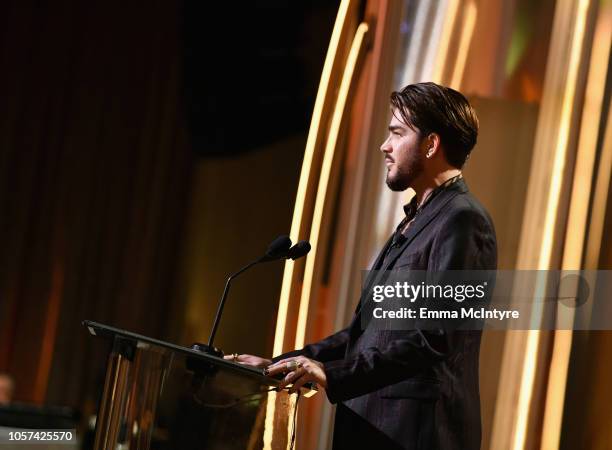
(419, 224)
(424, 219)
(381, 256)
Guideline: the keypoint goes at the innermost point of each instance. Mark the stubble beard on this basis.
(403, 179)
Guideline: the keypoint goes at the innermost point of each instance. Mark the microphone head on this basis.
(298, 250)
(278, 248)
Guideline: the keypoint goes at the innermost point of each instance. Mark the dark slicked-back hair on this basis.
(431, 108)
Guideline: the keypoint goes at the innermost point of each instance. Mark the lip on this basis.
(388, 162)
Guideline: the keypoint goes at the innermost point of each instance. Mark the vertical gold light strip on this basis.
(313, 134)
(587, 144)
(552, 206)
(447, 30)
(330, 151)
(600, 199)
(269, 421)
(603, 35)
(467, 31)
(564, 129)
(526, 388)
(577, 222)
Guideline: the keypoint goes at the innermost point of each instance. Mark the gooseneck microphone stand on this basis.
(210, 348)
(278, 249)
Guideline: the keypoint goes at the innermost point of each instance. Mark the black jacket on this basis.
(414, 389)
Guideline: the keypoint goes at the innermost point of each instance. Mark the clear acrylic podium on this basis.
(159, 395)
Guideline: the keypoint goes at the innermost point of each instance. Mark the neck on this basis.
(425, 187)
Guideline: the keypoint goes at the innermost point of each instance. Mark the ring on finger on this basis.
(293, 365)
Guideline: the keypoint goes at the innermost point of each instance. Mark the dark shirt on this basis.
(412, 209)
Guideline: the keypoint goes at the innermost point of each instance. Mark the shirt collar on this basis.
(412, 208)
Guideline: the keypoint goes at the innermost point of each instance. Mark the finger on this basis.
(291, 377)
(284, 361)
(300, 382)
(276, 365)
(281, 365)
(280, 362)
(233, 357)
(301, 360)
(279, 368)
(275, 370)
(287, 380)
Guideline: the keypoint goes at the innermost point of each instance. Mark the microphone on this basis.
(398, 240)
(278, 249)
(298, 250)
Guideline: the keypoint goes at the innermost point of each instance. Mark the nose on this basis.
(386, 147)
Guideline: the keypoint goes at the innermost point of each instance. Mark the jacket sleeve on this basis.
(375, 368)
(459, 244)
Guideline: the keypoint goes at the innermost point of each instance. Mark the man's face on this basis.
(404, 155)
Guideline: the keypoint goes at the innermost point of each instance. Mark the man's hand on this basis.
(249, 360)
(307, 370)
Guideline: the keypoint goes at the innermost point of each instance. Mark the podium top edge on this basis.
(109, 332)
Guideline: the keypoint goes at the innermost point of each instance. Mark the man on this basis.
(411, 389)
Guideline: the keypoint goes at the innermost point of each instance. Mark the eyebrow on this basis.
(396, 128)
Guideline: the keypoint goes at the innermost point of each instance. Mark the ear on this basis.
(432, 144)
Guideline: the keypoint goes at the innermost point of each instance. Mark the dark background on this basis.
(116, 120)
